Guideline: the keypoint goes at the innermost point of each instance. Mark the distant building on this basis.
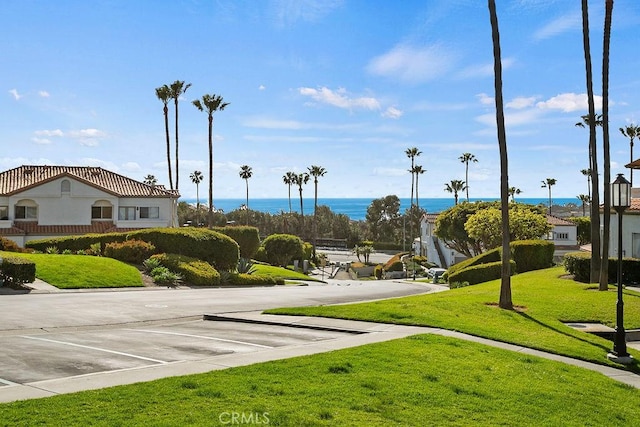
(46, 201)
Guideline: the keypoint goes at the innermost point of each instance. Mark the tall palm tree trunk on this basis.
(604, 263)
(210, 214)
(177, 176)
(505, 286)
(595, 199)
(166, 131)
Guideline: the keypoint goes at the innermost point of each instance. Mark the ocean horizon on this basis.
(356, 208)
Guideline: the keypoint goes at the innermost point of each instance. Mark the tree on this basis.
(466, 158)
(315, 172)
(177, 88)
(150, 180)
(591, 120)
(382, 218)
(196, 178)
(246, 173)
(512, 192)
(525, 223)
(210, 104)
(505, 286)
(164, 94)
(548, 183)
(450, 227)
(300, 180)
(587, 173)
(418, 170)
(412, 153)
(585, 199)
(289, 178)
(455, 187)
(632, 132)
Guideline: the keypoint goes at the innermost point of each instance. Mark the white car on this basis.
(435, 273)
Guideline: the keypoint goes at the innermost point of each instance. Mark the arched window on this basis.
(26, 209)
(65, 186)
(102, 209)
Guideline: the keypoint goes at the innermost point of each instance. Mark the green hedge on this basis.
(532, 255)
(16, 271)
(243, 279)
(490, 256)
(282, 249)
(480, 273)
(131, 251)
(192, 270)
(247, 239)
(76, 243)
(579, 264)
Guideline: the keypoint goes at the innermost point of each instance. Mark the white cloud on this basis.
(44, 94)
(569, 102)
(412, 64)
(485, 99)
(519, 118)
(521, 102)
(88, 137)
(262, 87)
(392, 113)
(55, 132)
(41, 141)
(340, 98)
(15, 94)
(559, 26)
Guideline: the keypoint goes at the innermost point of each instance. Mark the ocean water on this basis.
(354, 208)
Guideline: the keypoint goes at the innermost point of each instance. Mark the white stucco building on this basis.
(44, 201)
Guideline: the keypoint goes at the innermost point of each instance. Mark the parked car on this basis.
(435, 273)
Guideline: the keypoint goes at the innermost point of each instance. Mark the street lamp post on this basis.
(621, 200)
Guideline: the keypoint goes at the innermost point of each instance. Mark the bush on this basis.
(307, 251)
(532, 255)
(163, 276)
(282, 249)
(395, 266)
(480, 273)
(16, 271)
(241, 279)
(247, 239)
(489, 256)
(377, 271)
(583, 224)
(261, 255)
(192, 270)
(150, 263)
(579, 264)
(131, 251)
(9, 245)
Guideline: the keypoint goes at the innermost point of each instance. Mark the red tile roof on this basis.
(32, 228)
(24, 177)
(554, 220)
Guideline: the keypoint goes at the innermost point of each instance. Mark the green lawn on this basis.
(81, 271)
(544, 300)
(280, 272)
(417, 381)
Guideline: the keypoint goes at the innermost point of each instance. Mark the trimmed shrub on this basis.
(486, 257)
(307, 250)
(579, 264)
(480, 273)
(76, 243)
(192, 270)
(395, 266)
(9, 245)
(164, 276)
(532, 254)
(261, 255)
(16, 271)
(242, 279)
(282, 249)
(377, 271)
(247, 239)
(131, 251)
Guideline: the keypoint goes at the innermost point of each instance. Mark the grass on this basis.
(81, 271)
(417, 381)
(280, 272)
(545, 302)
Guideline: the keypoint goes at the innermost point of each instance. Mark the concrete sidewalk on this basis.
(362, 333)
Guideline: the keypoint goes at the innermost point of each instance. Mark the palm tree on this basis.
(585, 199)
(164, 94)
(412, 153)
(466, 158)
(246, 173)
(505, 273)
(418, 170)
(455, 187)
(196, 178)
(586, 123)
(315, 172)
(587, 173)
(177, 88)
(150, 180)
(592, 121)
(210, 103)
(289, 178)
(300, 180)
(548, 183)
(513, 191)
(631, 131)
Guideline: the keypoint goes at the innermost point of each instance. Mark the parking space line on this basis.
(200, 337)
(7, 382)
(95, 348)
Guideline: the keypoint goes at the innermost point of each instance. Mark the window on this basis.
(127, 213)
(65, 186)
(562, 236)
(4, 213)
(101, 212)
(26, 212)
(150, 212)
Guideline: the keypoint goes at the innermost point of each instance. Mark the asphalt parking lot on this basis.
(34, 357)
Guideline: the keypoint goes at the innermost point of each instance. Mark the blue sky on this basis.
(348, 85)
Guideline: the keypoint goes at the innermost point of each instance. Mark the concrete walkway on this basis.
(367, 333)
